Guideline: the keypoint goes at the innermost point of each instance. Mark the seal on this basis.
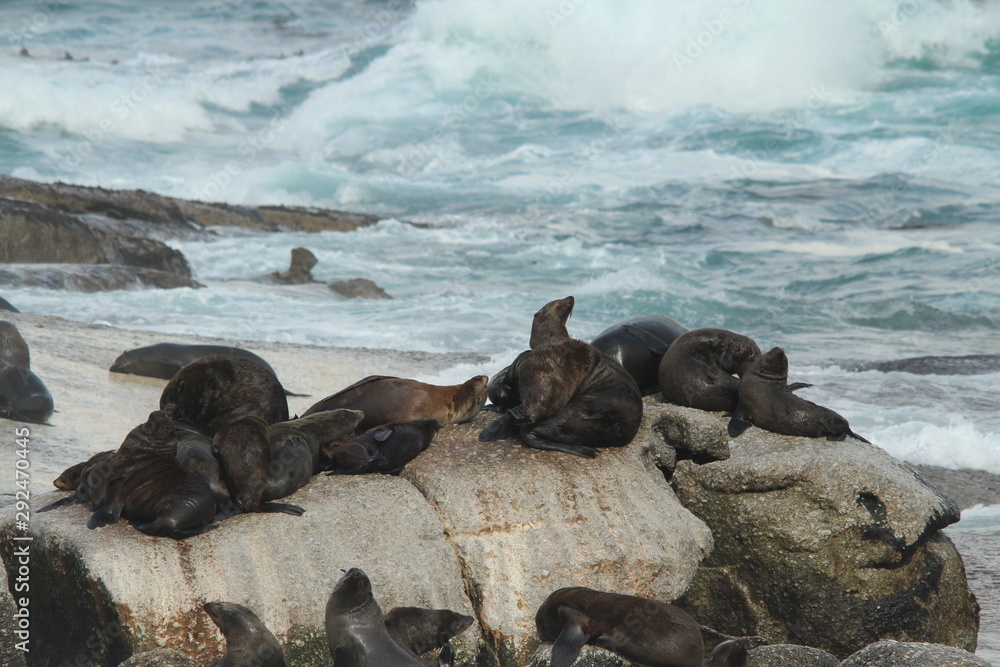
(387, 400)
(644, 631)
(698, 369)
(196, 455)
(248, 641)
(23, 395)
(297, 446)
(213, 392)
(71, 478)
(732, 653)
(420, 630)
(639, 344)
(573, 397)
(355, 631)
(6, 305)
(767, 401)
(244, 454)
(386, 449)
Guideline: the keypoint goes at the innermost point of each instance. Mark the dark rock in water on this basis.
(965, 487)
(830, 545)
(358, 288)
(6, 305)
(300, 270)
(912, 654)
(90, 277)
(973, 364)
(791, 655)
(159, 658)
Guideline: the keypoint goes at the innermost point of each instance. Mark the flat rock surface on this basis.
(912, 654)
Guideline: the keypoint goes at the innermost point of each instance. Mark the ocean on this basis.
(820, 176)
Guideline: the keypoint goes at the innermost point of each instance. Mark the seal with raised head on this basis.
(248, 641)
(420, 630)
(639, 344)
(388, 400)
(244, 454)
(23, 395)
(638, 629)
(767, 401)
(699, 368)
(355, 629)
(385, 449)
(213, 392)
(573, 397)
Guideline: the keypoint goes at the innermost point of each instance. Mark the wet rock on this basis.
(90, 277)
(791, 655)
(358, 288)
(6, 305)
(903, 654)
(300, 270)
(159, 658)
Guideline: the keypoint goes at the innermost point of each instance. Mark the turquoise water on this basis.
(820, 176)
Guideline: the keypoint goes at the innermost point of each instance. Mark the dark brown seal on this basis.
(248, 641)
(420, 630)
(388, 400)
(639, 344)
(23, 395)
(355, 629)
(244, 454)
(573, 397)
(732, 653)
(385, 449)
(213, 392)
(641, 630)
(698, 369)
(767, 401)
(295, 440)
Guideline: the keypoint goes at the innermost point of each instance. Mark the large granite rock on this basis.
(790, 655)
(526, 522)
(828, 544)
(902, 654)
(159, 658)
(10, 654)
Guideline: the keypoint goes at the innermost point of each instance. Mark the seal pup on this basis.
(767, 401)
(355, 631)
(387, 400)
(244, 455)
(639, 344)
(641, 630)
(573, 396)
(732, 653)
(292, 438)
(248, 641)
(386, 449)
(196, 454)
(23, 395)
(697, 370)
(212, 392)
(420, 630)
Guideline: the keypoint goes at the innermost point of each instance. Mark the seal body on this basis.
(195, 454)
(355, 629)
(639, 344)
(213, 392)
(385, 449)
(732, 653)
(573, 397)
(248, 641)
(387, 400)
(298, 444)
(572, 617)
(698, 369)
(23, 395)
(244, 455)
(767, 401)
(422, 630)
(163, 360)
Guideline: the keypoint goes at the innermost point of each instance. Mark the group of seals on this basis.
(23, 396)
(564, 394)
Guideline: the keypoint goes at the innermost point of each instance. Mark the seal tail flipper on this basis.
(284, 508)
(858, 437)
(71, 499)
(738, 423)
(538, 442)
(292, 393)
(795, 386)
(570, 641)
(503, 427)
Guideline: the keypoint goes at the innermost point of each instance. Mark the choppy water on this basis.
(820, 176)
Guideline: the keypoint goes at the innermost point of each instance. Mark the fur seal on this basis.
(573, 397)
(355, 631)
(244, 455)
(196, 455)
(732, 653)
(767, 401)
(297, 445)
(6, 305)
(641, 630)
(23, 395)
(387, 400)
(384, 449)
(639, 344)
(212, 392)
(421, 630)
(248, 641)
(698, 369)
(76, 475)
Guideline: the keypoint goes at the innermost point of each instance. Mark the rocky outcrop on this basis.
(358, 288)
(90, 277)
(159, 658)
(300, 270)
(790, 655)
(10, 655)
(828, 544)
(900, 654)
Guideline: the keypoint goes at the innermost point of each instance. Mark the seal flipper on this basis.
(446, 658)
(858, 437)
(738, 423)
(71, 499)
(651, 341)
(383, 434)
(571, 640)
(503, 427)
(795, 386)
(284, 508)
(538, 442)
(110, 509)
